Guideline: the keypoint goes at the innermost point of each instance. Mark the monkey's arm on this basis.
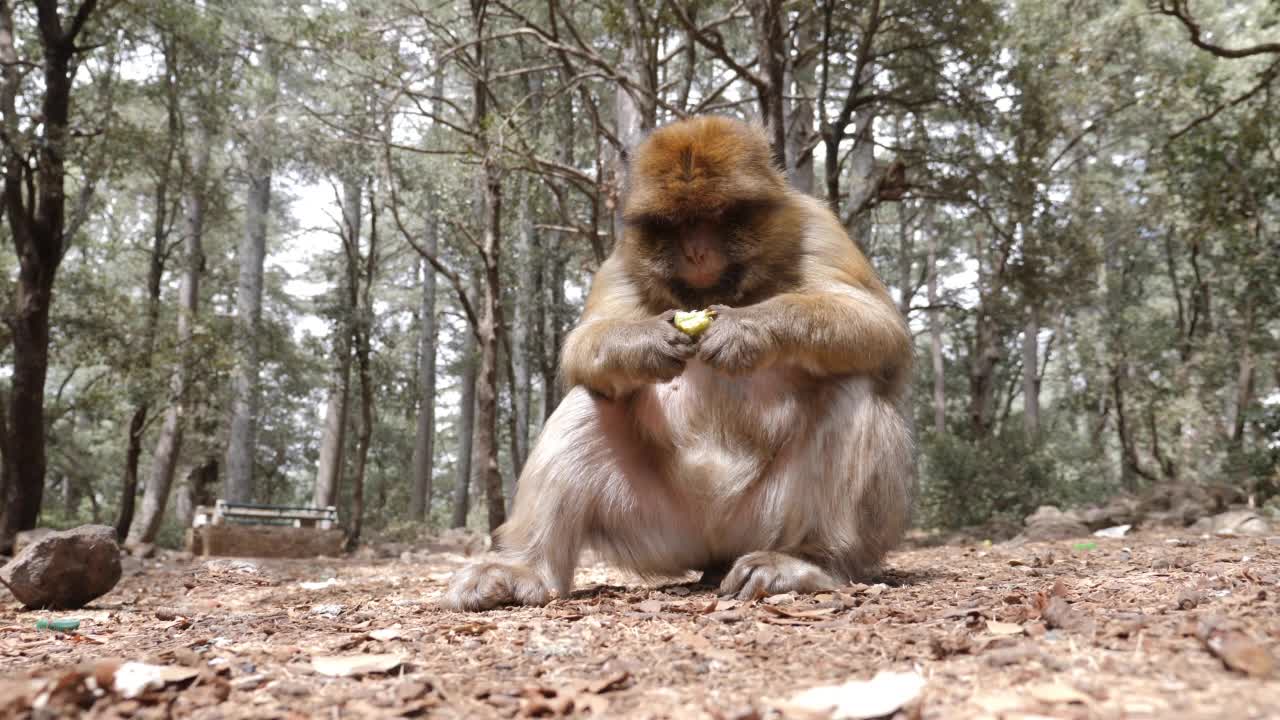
(617, 346)
(837, 331)
(842, 319)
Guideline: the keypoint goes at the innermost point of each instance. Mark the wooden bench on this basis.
(273, 531)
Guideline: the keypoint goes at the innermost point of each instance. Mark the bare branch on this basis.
(1178, 9)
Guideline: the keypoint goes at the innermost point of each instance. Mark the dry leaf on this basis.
(998, 702)
(815, 614)
(650, 606)
(859, 699)
(132, 679)
(350, 665)
(995, 627)
(613, 682)
(386, 634)
(1057, 693)
(1237, 650)
(1058, 613)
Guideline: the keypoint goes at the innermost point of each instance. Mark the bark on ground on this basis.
(1148, 626)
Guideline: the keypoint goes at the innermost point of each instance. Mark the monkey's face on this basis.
(700, 259)
(697, 194)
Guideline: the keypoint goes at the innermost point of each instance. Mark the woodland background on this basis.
(326, 251)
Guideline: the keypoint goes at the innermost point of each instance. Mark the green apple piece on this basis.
(693, 323)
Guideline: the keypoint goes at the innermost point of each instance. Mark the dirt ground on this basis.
(1146, 626)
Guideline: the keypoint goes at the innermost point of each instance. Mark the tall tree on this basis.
(425, 427)
(259, 156)
(465, 430)
(161, 225)
(35, 206)
(484, 459)
(169, 443)
(333, 438)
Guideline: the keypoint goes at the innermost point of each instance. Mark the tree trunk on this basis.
(333, 438)
(199, 488)
(555, 327)
(35, 205)
(906, 252)
(862, 178)
(800, 116)
(425, 435)
(1031, 373)
(425, 430)
(634, 109)
(984, 354)
(1246, 366)
(484, 458)
(770, 23)
(935, 336)
(523, 329)
(465, 432)
(364, 348)
(155, 274)
(242, 438)
(165, 460)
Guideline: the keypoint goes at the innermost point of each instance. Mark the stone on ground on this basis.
(65, 570)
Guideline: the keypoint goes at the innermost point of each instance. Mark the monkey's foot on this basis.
(760, 574)
(487, 585)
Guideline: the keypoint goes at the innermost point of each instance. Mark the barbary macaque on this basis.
(769, 448)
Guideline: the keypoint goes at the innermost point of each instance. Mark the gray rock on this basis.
(65, 570)
(1234, 522)
(1050, 523)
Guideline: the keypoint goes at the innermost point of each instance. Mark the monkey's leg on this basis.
(766, 572)
(848, 489)
(589, 476)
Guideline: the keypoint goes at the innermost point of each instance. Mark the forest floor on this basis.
(1148, 626)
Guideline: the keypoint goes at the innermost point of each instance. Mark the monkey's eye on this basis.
(741, 214)
(654, 225)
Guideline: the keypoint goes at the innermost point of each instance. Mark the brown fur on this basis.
(773, 444)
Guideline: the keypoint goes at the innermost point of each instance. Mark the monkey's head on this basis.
(700, 207)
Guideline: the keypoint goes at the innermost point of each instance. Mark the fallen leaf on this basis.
(329, 610)
(815, 614)
(473, 628)
(998, 702)
(650, 606)
(613, 682)
(385, 634)
(1058, 613)
(1057, 693)
(132, 679)
(350, 665)
(995, 627)
(1236, 650)
(882, 695)
(727, 616)
(320, 585)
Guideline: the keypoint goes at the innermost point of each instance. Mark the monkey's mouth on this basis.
(723, 290)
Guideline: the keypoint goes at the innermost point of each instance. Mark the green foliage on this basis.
(1005, 477)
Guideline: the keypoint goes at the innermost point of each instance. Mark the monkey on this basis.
(769, 452)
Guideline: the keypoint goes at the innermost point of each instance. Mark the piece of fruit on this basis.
(693, 323)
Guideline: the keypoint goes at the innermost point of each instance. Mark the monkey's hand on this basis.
(760, 574)
(489, 585)
(654, 350)
(738, 341)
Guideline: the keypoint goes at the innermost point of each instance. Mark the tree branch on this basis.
(1178, 9)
